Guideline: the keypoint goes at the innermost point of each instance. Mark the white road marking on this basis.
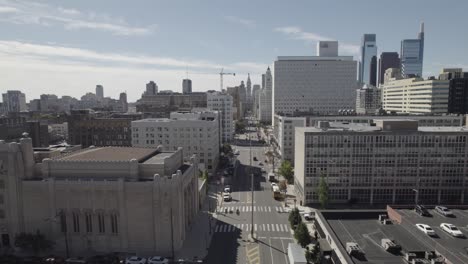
(255, 227)
(217, 228)
(281, 228)
(277, 227)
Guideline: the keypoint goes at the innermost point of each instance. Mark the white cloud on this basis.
(22, 12)
(240, 21)
(299, 34)
(72, 71)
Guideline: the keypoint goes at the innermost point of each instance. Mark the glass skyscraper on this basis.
(368, 67)
(412, 55)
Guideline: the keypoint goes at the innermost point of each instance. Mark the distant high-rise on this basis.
(327, 48)
(412, 55)
(123, 102)
(14, 101)
(265, 98)
(99, 91)
(458, 90)
(387, 60)
(151, 88)
(249, 86)
(187, 86)
(368, 70)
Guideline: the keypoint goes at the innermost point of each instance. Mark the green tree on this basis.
(287, 171)
(323, 191)
(226, 149)
(313, 255)
(203, 175)
(283, 185)
(294, 217)
(301, 233)
(240, 127)
(33, 243)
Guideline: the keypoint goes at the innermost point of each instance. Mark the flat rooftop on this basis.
(363, 228)
(353, 127)
(112, 154)
(159, 158)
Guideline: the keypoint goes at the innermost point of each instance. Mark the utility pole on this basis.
(252, 187)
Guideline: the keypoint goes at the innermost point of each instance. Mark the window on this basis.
(101, 223)
(89, 222)
(76, 222)
(63, 221)
(114, 224)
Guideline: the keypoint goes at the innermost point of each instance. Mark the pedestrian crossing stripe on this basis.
(228, 228)
(265, 209)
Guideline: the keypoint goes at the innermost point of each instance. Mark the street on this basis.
(230, 243)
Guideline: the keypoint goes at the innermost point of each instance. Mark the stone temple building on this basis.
(99, 199)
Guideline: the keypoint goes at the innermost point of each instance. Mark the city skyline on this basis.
(68, 48)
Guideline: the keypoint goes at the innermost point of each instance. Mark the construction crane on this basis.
(221, 74)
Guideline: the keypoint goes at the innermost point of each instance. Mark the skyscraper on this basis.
(265, 98)
(387, 60)
(99, 91)
(368, 70)
(187, 86)
(151, 88)
(14, 101)
(412, 55)
(249, 86)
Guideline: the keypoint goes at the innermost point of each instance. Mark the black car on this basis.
(421, 210)
(255, 158)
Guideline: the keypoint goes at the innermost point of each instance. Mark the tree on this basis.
(204, 175)
(323, 191)
(34, 243)
(287, 171)
(294, 217)
(226, 149)
(240, 127)
(313, 255)
(301, 233)
(283, 186)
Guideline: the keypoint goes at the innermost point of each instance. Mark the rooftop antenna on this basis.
(186, 71)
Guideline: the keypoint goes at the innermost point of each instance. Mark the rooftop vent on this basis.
(390, 246)
(354, 250)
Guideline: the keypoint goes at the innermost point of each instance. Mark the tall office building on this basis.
(368, 100)
(412, 55)
(187, 86)
(223, 103)
(387, 60)
(368, 69)
(151, 88)
(100, 91)
(265, 98)
(249, 86)
(14, 101)
(303, 84)
(458, 90)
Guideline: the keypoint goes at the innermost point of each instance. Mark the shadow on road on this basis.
(270, 246)
(224, 245)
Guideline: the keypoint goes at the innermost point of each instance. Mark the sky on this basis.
(67, 47)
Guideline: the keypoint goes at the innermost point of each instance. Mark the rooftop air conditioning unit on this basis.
(390, 246)
(438, 260)
(410, 256)
(353, 249)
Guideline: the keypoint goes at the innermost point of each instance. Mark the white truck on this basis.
(296, 254)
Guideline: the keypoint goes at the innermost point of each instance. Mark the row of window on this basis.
(91, 221)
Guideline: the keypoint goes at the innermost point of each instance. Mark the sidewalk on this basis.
(198, 239)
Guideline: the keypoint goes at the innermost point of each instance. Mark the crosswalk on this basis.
(226, 228)
(247, 208)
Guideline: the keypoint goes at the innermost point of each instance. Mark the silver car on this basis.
(444, 211)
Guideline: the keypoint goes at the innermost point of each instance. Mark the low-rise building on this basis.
(165, 102)
(196, 132)
(99, 200)
(383, 163)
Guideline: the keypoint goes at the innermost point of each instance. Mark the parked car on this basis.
(451, 229)
(236, 152)
(226, 197)
(263, 170)
(135, 260)
(426, 229)
(307, 217)
(53, 260)
(158, 260)
(227, 189)
(78, 260)
(255, 158)
(421, 210)
(260, 164)
(444, 211)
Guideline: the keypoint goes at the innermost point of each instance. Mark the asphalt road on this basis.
(230, 242)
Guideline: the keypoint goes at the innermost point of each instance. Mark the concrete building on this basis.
(266, 98)
(87, 128)
(382, 164)
(151, 88)
(283, 133)
(195, 132)
(162, 104)
(412, 55)
(368, 65)
(302, 84)
(14, 101)
(327, 48)
(186, 86)
(368, 100)
(416, 96)
(99, 200)
(387, 60)
(392, 74)
(100, 91)
(458, 90)
(223, 104)
(60, 129)
(13, 125)
(255, 99)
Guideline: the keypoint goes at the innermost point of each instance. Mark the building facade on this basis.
(368, 69)
(416, 96)
(195, 132)
(162, 104)
(382, 164)
(151, 88)
(302, 84)
(223, 104)
(368, 100)
(387, 60)
(266, 98)
(99, 200)
(283, 133)
(100, 91)
(458, 90)
(186, 86)
(14, 101)
(412, 55)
